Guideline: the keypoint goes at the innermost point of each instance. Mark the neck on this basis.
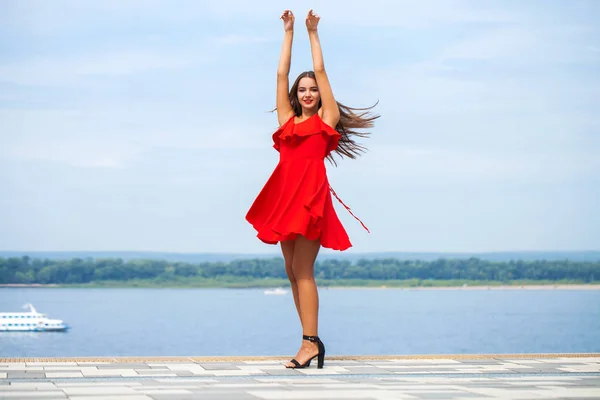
(308, 113)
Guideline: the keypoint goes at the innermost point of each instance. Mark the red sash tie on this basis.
(348, 208)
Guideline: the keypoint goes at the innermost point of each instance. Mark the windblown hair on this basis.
(350, 120)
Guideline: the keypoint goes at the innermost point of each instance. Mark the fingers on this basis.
(312, 16)
(312, 20)
(287, 14)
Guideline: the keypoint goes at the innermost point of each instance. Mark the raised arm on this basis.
(284, 108)
(330, 110)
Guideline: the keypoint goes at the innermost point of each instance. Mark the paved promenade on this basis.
(468, 377)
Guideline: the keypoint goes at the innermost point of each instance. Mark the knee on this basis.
(290, 273)
(302, 272)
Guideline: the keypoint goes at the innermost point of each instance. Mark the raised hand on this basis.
(312, 20)
(288, 20)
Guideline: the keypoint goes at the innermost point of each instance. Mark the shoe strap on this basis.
(295, 362)
(314, 339)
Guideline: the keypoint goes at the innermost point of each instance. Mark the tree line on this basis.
(25, 270)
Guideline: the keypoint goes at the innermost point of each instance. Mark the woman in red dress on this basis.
(295, 208)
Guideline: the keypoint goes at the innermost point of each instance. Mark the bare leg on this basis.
(303, 268)
(287, 248)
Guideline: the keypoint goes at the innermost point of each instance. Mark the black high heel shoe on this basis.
(320, 355)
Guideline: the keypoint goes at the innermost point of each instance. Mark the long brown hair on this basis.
(350, 119)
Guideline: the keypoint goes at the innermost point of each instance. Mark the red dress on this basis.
(296, 198)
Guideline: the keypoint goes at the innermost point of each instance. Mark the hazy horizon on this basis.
(574, 256)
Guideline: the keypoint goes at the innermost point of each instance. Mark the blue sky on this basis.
(144, 125)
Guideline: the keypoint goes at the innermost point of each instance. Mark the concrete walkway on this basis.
(468, 377)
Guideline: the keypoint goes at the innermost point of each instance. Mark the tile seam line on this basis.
(301, 377)
(194, 359)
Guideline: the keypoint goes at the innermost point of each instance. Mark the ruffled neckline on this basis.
(311, 126)
(306, 120)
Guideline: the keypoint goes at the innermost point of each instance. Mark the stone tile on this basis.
(319, 394)
(19, 395)
(410, 368)
(158, 373)
(186, 367)
(235, 373)
(434, 361)
(93, 363)
(317, 372)
(261, 367)
(367, 370)
(133, 397)
(69, 368)
(26, 375)
(205, 395)
(389, 379)
(32, 385)
(21, 368)
(94, 383)
(445, 395)
(158, 386)
(182, 380)
(284, 372)
(64, 375)
(344, 362)
(590, 393)
(50, 363)
(244, 385)
(503, 393)
(157, 392)
(482, 361)
(581, 368)
(262, 362)
(184, 373)
(99, 390)
(412, 372)
(588, 381)
(92, 372)
(299, 381)
(126, 366)
(219, 366)
(348, 386)
(525, 361)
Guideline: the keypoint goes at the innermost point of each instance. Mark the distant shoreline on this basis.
(501, 256)
(582, 286)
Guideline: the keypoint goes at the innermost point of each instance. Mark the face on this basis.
(308, 93)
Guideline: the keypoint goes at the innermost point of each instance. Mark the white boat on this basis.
(276, 291)
(31, 321)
